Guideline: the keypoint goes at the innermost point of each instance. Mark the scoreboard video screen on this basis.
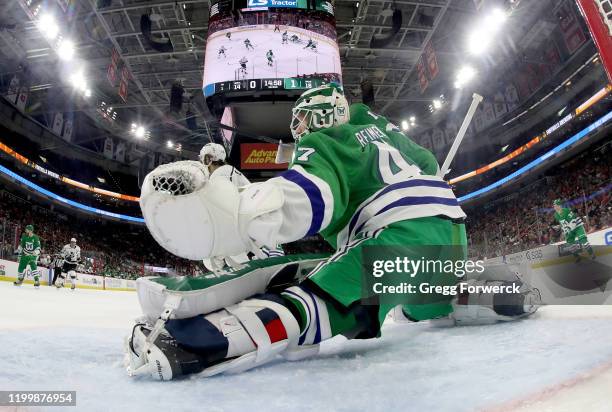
(267, 45)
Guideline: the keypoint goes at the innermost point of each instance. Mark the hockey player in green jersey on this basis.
(357, 185)
(573, 229)
(28, 251)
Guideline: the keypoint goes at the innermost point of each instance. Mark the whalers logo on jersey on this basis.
(323, 120)
(29, 246)
(368, 135)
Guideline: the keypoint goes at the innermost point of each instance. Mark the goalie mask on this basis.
(212, 152)
(319, 108)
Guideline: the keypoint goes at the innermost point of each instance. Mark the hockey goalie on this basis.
(356, 180)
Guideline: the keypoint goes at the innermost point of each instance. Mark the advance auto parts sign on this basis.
(259, 156)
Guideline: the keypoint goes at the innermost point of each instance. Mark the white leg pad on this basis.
(244, 323)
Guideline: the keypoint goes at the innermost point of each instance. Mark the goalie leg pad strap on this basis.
(269, 324)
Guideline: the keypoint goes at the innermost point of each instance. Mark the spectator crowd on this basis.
(108, 248)
(524, 219)
(513, 223)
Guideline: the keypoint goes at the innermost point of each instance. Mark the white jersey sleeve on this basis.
(232, 174)
(290, 222)
(71, 254)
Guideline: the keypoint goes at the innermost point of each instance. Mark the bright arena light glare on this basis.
(437, 104)
(48, 26)
(139, 132)
(66, 50)
(495, 20)
(88, 93)
(169, 144)
(480, 39)
(78, 81)
(465, 75)
(478, 42)
(405, 125)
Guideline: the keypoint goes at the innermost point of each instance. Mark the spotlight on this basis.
(464, 76)
(78, 81)
(484, 33)
(495, 20)
(139, 132)
(88, 93)
(65, 50)
(437, 104)
(478, 43)
(405, 125)
(48, 26)
(169, 144)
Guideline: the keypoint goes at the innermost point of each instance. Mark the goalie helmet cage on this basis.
(598, 16)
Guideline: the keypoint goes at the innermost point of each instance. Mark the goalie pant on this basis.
(294, 321)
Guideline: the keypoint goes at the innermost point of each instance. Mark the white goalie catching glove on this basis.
(195, 217)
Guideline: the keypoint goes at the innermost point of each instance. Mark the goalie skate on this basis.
(231, 340)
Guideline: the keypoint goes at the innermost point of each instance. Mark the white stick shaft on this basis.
(476, 99)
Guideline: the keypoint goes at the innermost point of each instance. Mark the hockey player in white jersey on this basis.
(213, 156)
(71, 253)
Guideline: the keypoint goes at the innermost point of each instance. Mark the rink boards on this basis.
(551, 268)
(559, 277)
(8, 273)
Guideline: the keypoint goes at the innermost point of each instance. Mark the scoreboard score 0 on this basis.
(255, 85)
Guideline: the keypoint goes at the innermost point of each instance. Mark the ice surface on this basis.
(290, 60)
(63, 340)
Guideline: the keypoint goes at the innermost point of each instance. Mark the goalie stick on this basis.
(476, 99)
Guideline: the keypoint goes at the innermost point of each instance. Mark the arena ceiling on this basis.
(97, 30)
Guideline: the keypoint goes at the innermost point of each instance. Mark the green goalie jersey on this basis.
(568, 220)
(360, 177)
(423, 158)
